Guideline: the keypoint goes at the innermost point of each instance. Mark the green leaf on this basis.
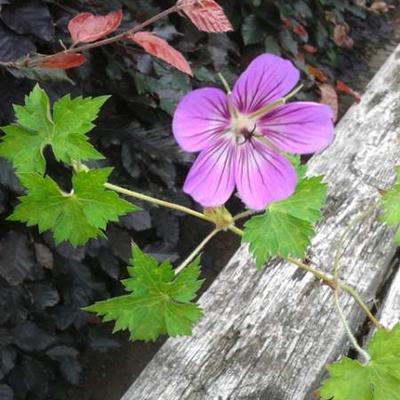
(287, 226)
(379, 379)
(391, 206)
(36, 128)
(77, 216)
(73, 118)
(159, 302)
(252, 32)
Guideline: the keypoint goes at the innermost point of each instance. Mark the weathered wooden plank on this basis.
(267, 335)
(389, 313)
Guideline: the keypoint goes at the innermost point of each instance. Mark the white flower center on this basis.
(242, 127)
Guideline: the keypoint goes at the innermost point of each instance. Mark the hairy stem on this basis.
(158, 202)
(327, 279)
(196, 252)
(357, 298)
(166, 204)
(244, 214)
(339, 246)
(332, 282)
(349, 333)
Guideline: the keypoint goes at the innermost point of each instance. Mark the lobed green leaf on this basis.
(65, 131)
(391, 206)
(77, 216)
(287, 226)
(379, 379)
(159, 302)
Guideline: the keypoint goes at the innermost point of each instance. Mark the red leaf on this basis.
(380, 7)
(86, 27)
(316, 73)
(341, 37)
(160, 48)
(300, 31)
(206, 15)
(62, 61)
(310, 49)
(286, 22)
(342, 87)
(330, 98)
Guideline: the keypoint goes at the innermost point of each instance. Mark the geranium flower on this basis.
(240, 136)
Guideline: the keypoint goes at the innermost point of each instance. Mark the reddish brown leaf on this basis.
(286, 22)
(300, 31)
(86, 27)
(160, 48)
(316, 73)
(342, 87)
(330, 98)
(310, 49)
(206, 15)
(381, 7)
(341, 37)
(62, 61)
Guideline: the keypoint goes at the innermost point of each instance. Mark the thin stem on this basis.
(112, 39)
(262, 111)
(224, 83)
(333, 283)
(196, 252)
(157, 202)
(346, 326)
(244, 214)
(166, 204)
(357, 298)
(236, 230)
(339, 246)
(329, 280)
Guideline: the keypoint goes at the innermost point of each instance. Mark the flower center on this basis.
(243, 127)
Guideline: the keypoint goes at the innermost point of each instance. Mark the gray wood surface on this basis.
(268, 335)
(389, 313)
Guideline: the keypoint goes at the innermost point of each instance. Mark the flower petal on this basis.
(299, 127)
(262, 176)
(267, 78)
(200, 118)
(211, 179)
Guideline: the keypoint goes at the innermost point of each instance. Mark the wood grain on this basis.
(268, 335)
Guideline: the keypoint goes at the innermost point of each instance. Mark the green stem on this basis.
(357, 298)
(349, 333)
(244, 214)
(329, 280)
(196, 252)
(332, 282)
(166, 204)
(225, 83)
(262, 111)
(343, 238)
(157, 202)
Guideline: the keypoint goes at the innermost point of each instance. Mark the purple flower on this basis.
(240, 136)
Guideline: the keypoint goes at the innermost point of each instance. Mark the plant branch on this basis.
(244, 214)
(357, 298)
(346, 326)
(329, 280)
(166, 204)
(77, 49)
(343, 238)
(196, 252)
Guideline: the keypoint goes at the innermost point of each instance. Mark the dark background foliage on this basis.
(43, 286)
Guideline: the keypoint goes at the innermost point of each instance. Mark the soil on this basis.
(108, 375)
